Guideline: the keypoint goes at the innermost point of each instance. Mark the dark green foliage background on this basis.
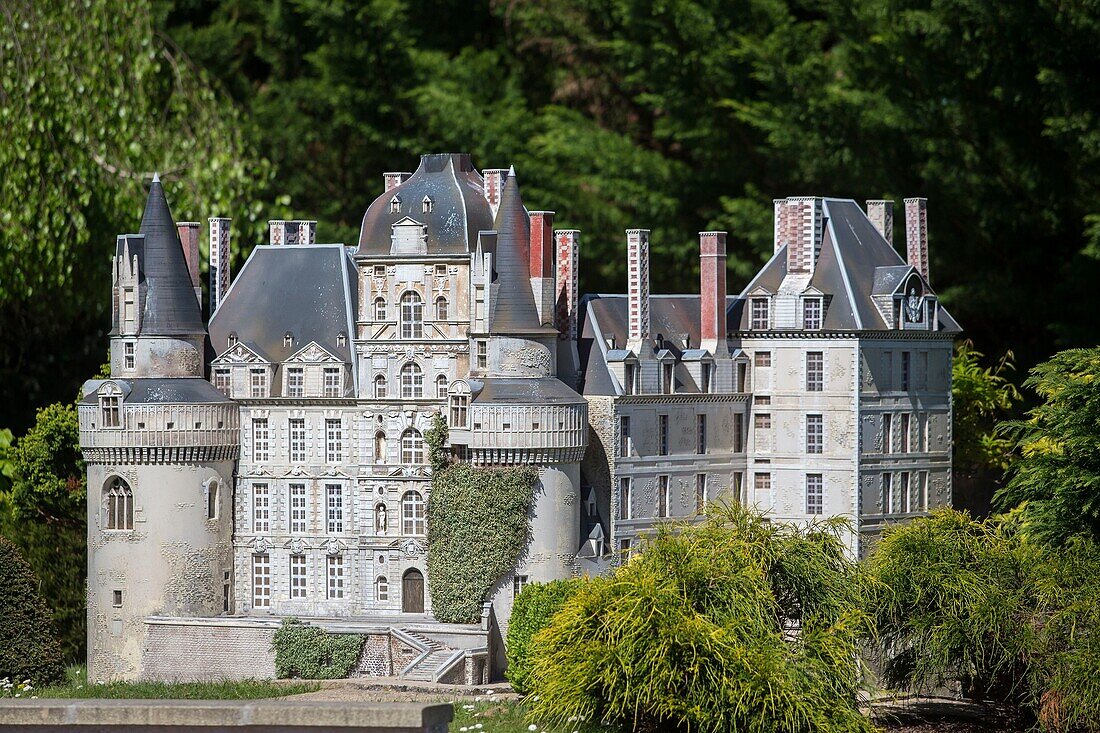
(477, 530)
(28, 645)
(530, 614)
(311, 653)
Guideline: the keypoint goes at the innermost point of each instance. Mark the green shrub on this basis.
(477, 529)
(28, 645)
(732, 624)
(530, 614)
(311, 653)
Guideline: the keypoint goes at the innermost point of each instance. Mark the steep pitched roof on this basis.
(170, 306)
(514, 305)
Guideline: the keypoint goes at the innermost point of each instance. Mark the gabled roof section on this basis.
(170, 306)
(514, 305)
(307, 290)
(242, 353)
(312, 352)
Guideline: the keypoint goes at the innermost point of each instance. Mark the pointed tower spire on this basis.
(170, 308)
(514, 311)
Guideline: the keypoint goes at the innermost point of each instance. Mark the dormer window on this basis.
(110, 406)
(811, 314)
(233, 340)
(341, 339)
(395, 205)
(426, 205)
(708, 377)
(760, 319)
(460, 406)
(666, 378)
(630, 378)
(288, 340)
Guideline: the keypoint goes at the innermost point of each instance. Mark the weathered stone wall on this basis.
(175, 650)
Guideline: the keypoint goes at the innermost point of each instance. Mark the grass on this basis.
(496, 716)
(76, 685)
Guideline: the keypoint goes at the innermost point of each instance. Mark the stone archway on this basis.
(412, 591)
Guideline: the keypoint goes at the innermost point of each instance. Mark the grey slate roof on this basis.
(459, 209)
(520, 391)
(306, 289)
(175, 390)
(514, 305)
(169, 304)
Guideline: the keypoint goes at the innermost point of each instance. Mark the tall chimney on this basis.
(541, 263)
(493, 182)
(219, 261)
(307, 231)
(637, 261)
(393, 179)
(189, 238)
(712, 292)
(780, 224)
(803, 224)
(916, 234)
(276, 231)
(881, 214)
(565, 314)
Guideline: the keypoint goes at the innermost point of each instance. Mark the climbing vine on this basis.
(311, 653)
(477, 530)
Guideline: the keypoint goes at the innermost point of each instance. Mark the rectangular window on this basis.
(460, 407)
(903, 492)
(887, 493)
(815, 434)
(904, 429)
(922, 433)
(762, 490)
(762, 359)
(662, 438)
(335, 577)
(625, 443)
(258, 383)
(738, 433)
(297, 576)
(295, 382)
(630, 372)
(297, 430)
(815, 371)
(624, 498)
(811, 314)
(887, 371)
(222, 381)
(662, 496)
(261, 508)
(905, 359)
(708, 379)
(261, 581)
(110, 412)
(333, 384)
(762, 421)
(335, 504)
(666, 379)
(700, 434)
(922, 492)
(334, 441)
(117, 599)
(759, 314)
(128, 354)
(815, 494)
(700, 492)
(298, 516)
(739, 488)
(129, 310)
(261, 440)
(519, 582)
(482, 354)
(625, 549)
(212, 500)
(761, 400)
(887, 433)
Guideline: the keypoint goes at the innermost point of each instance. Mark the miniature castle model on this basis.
(270, 462)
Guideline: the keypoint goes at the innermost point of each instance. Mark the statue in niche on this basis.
(912, 306)
(380, 519)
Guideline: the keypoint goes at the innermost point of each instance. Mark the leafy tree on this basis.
(980, 395)
(696, 633)
(1055, 483)
(531, 613)
(49, 470)
(28, 646)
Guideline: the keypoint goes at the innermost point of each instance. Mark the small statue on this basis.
(912, 306)
(380, 519)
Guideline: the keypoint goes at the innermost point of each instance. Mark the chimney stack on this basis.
(916, 234)
(541, 263)
(712, 292)
(568, 249)
(307, 231)
(393, 179)
(637, 259)
(189, 238)
(780, 224)
(881, 214)
(493, 182)
(297, 231)
(803, 224)
(219, 261)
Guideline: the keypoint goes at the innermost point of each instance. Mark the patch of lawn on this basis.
(76, 685)
(498, 716)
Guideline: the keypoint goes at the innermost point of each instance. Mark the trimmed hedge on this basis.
(311, 653)
(531, 613)
(29, 648)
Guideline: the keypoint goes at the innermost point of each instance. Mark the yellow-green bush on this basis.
(531, 613)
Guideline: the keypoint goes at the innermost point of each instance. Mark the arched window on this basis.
(380, 447)
(412, 513)
(412, 316)
(381, 588)
(412, 447)
(380, 387)
(395, 205)
(426, 205)
(118, 505)
(441, 308)
(379, 308)
(212, 500)
(412, 381)
(441, 386)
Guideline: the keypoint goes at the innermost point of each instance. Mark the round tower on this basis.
(160, 445)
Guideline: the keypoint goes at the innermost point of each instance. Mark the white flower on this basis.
(532, 727)
(479, 726)
(463, 729)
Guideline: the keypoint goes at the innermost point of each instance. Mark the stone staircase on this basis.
(428, 667)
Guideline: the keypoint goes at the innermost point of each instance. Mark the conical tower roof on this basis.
(514, 312)
(170, 306)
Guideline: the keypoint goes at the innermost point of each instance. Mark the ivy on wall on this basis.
(477, 529)
(311, 653)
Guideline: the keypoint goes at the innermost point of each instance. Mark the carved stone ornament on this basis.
(412, 549)
(262, 545)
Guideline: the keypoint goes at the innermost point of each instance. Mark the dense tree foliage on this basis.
(28, 643)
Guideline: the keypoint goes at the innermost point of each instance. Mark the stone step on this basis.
(425, 670)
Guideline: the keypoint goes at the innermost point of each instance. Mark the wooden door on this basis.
(412, 592)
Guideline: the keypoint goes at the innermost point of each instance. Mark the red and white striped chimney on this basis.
(881, 214)
(712, 292)
(780, 224)
(493, 182)
(916, 234)
(565, 312)
(802, 220)
(219, 261)
(393, 179)
(189, 238)
(637, 270)
(541, 263)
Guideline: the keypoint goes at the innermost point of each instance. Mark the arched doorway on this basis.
(412, 592)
